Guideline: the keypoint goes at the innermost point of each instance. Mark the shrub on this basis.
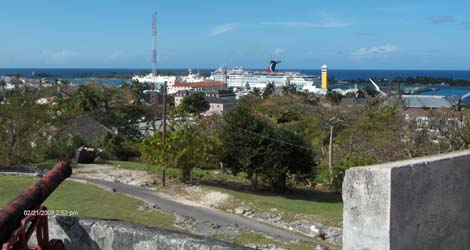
(351, 160)
(120, 148)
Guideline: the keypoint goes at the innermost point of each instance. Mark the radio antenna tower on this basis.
(154, 44)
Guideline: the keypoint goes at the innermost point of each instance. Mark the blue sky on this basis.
(304, 34)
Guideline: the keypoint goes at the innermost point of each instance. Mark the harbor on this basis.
(343, 79)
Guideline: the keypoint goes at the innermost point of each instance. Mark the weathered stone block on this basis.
(111, 235)
(415, 204)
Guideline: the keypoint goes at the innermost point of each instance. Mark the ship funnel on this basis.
(272, 66)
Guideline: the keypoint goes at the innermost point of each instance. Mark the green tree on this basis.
(152, 149)
(351, 160)
(137, 90)
(124, 119)
(287, 159)
(253, 146)
(190, 150)
(194, 103)
(85, 99)
(333, 96)
(241, 150)
(370, 91)
(23, 126)
(268, 90)
(108, 105)
(120, 148)
(186, 148)
(255, 92)
(289, 89)
(247, 86)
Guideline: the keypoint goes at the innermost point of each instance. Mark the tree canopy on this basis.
(276, 156)
(194, 103)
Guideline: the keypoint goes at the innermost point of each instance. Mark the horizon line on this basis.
(204, 68)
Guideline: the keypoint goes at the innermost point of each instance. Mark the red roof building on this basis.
(199, 86)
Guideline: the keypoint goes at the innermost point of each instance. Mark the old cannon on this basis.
(24, 215)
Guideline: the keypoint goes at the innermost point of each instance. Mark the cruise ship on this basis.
(237, 78)
(160, 79)
(241, 78)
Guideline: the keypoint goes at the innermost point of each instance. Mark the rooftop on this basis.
(87, 128)
(426, 101)
(199, 84)
(419, 112)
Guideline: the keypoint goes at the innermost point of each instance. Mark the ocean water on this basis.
(337, 73)
(449, 91)
(117, 76)
(391, 74)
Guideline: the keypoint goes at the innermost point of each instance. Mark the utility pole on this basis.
(164, 134)
(330, 154)
(154, 44)
(224, 68)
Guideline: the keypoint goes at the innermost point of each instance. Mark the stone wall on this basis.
(415, 204)
(79, 234)
(21, 169)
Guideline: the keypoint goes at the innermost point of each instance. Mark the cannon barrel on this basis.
(12, 213)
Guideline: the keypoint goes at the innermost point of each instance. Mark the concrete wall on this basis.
(79, 234)
(416, 204)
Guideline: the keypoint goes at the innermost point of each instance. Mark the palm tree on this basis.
(268, 90)
(289, 89)
(85, 99)
(334, 97)
(256, 92)
(137, 90)
(285, 89)
(107, 96)
(247, 86)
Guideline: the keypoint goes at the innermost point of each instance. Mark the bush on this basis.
(351, 160)
(277, 156)
(152, 149)
(186, 148)
(117, 147)
(61, 148)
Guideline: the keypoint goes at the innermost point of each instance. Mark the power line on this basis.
(269, 138)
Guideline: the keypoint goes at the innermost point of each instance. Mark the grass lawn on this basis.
(318, 206)
(88, 201)
(323, 207)
(252, 238)
(47, 164)
(314, 205)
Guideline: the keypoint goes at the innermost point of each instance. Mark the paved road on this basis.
(199, 213)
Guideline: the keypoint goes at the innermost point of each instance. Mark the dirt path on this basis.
(110, 173)
(192, 195)
(170, 205)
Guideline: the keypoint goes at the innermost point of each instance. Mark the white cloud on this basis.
(221, 29)
(376, 51)
(329, 24)
(400, 8)
(278, 51)
(71, 58)
(466, 25)
(59, 56)
(442, 19)
(368, 34)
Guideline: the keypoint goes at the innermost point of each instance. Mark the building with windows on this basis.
(219, 100)
(198, 86)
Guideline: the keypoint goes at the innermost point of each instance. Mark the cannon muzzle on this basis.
(12, 213)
